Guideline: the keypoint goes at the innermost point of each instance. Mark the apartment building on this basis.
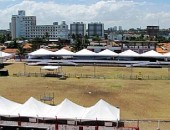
(25, 26)
(78, 28)
(139, 46)
(96, 29)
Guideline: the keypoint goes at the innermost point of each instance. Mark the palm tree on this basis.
(36, 42)
(20, 52)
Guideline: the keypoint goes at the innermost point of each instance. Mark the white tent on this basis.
(7, 106)
(67, 110)
(41, 52)
(102, 111)
(85, 52)
(128, 53)
(107, 52)
(5, 55)
(63, 52)
(32, 108)
(166, 55)
(151, 53)
(50, 67)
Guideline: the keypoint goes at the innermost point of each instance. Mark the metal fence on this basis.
(141, 77)
(148, 124)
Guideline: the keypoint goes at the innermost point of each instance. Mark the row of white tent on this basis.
(107, 52)
(68, 110)
(5, 55)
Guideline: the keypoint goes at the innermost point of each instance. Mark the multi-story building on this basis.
(21, 23)
(54, 31)
(78, 28)
(96, 29)
(25, 26)
(152, 30)
(139, 46)
(120, 28)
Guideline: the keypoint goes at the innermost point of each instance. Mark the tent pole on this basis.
(56, 124)
(96, 127)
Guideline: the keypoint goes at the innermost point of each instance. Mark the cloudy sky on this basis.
(125, 13)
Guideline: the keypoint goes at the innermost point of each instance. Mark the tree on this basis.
(105, 36)
(36, 42)
(13, 44)
(2, 38)
(73, 36)
(60, 43)
(80, 42)
(47, 36)
(8, 37)
(20, 52)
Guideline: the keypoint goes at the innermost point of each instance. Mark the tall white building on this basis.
(96, 29)
(120, 28)
(25, 26)
(21, 23)
(78, 28)
(54, 31)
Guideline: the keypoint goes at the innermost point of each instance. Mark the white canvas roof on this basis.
(32, 108)
(50, 67)
(67, 110)
(107, 52)
(41, 52)
(166, 54)
(85, 52)
(102, 111)
(128, 53)
(7, 106)
(64, 52)
(4, 55)
(151, 53)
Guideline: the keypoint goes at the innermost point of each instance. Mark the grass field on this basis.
(137, 99)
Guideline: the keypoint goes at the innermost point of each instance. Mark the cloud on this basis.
(126, 13)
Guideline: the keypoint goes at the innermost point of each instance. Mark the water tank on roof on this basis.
(55, 23)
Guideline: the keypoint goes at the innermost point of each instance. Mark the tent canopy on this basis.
(166, 54)
(102, 110)
(4, 55)
(67, 110)
(41, 52)
(107, 52)
(7, 106)
(50, 67)
(151, 53)
(32, 108)
(85, 52)
(63, 52)
(129, 53)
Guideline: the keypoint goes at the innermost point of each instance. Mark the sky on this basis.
(125, 13)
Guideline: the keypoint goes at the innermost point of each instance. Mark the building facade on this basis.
(139, 46)
(25, 26)
(78, 28)
(54, 31)
(96, 29)
(20, 24)
(152, 31)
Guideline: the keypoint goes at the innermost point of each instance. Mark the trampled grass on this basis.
(137, 99)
